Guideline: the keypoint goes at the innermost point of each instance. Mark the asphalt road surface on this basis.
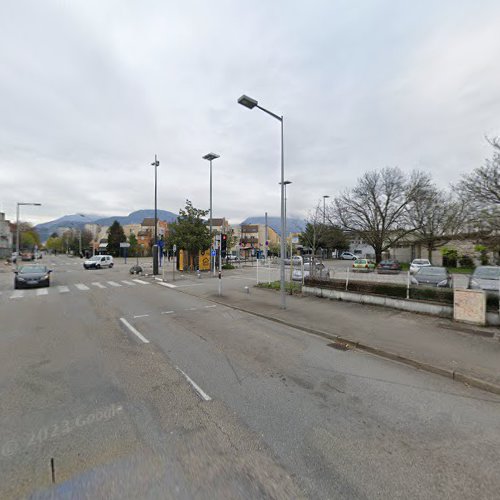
(113, 386)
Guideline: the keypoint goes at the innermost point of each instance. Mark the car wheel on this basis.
(111, 265)
(98, 266)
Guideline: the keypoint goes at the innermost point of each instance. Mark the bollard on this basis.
(247, 289)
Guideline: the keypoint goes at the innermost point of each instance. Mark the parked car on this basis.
(389, 267)
(416, 264)
(231, 257)
(486, 278)
(32, 276)
(98, 261)
(363, 265)
(27, 256)
(434, 276)
(320, 271)
(347, 256)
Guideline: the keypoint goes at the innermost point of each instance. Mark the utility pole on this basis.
(156, 163)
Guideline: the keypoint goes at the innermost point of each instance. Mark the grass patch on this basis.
(291, 288)
(228, 266)
(460, 270)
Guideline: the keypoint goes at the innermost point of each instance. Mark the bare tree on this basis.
(483, 184)
(481, 191)
(377, 208)
(437, 217)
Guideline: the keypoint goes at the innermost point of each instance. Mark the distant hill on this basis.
(79, 220)
(292, 225)
(137, 217)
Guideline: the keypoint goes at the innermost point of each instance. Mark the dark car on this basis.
(433, 276)
(32, 276)
(486, 278)
(388, 266)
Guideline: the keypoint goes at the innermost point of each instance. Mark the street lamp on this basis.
(250, 103)
(286, 184)
(155, 164)
(210, 157)
(17, 226)
(325, 196)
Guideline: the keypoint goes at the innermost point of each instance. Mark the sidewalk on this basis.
(467, 354)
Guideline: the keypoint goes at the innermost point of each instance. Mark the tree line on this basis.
(388, 206)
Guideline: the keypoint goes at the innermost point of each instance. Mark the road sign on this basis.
(213, 253)
(174, 248)
(125, 245)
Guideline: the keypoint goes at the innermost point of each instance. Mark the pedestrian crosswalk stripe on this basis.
(113, 283)
(42, 291)
(18, 294)
(81, 286)
(141, 282)
(63, 289)
(130, 283)
(98, 285)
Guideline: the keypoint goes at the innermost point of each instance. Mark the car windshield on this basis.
(487, 273)
(31, 269)
(421, 262)
(96, 257)
(432, 271)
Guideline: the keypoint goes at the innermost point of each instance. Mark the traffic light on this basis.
(223, 245)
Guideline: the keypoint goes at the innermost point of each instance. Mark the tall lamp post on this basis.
(210, 157)
(19, 204)
(286, 184)
(155, 164)
(325, 196)
(250, 103)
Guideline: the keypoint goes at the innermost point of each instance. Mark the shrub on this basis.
(228, 266)
(466, 261)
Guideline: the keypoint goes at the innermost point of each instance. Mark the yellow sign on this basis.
(204, 260)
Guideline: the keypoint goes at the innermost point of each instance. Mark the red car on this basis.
(389, 267)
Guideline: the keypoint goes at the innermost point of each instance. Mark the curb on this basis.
(420, 365)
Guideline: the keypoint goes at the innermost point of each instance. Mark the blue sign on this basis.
(213, 253)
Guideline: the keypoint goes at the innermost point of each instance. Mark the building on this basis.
(161, 227)
(6, 239)
(251, 238)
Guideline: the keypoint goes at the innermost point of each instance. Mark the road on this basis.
(119, 386)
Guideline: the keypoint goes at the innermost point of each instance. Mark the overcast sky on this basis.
(90, 90)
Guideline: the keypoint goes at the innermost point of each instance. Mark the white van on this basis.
(98, 261)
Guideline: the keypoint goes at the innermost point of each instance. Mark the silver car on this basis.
(486, 278)
(320, 272)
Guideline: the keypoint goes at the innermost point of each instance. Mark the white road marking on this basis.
(81, 286)
(98, 285)
(129, 283)
(210, 306)
(63, 289)
(141, 315)
(141, 282)
(158, 279)
(169, 285)
(42, 291)
(113, 283)
(190, 309)
(18, 294)
(196, 387)
(167, 312)
(134, 331)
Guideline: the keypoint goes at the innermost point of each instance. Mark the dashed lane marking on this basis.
(129, 283)
(63, 289)
(18, 294)
(167, 312)
(195, 386)
(134, 331)
(98, 285)
(113, 283)
(42, 291)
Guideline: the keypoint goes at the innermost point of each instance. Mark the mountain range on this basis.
(79, 220)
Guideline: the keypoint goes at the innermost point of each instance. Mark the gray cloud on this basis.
(90, 91)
